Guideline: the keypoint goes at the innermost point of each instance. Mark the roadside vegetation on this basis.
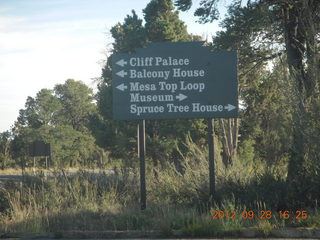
(93, 201)
(267, 160)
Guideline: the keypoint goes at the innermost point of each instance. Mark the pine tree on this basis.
(163, 23)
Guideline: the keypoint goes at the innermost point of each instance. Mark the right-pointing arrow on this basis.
(121, 73)
(229, 107)
(181, 97)
(121, 62)
(122, 87)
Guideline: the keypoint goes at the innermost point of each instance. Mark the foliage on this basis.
(102, 201)
(162, 23)
(41, 110)
(76, 104)
(129, 35)
(264, 30)
(5, 149)
(273, 160)
(60, 117)
(265, 227)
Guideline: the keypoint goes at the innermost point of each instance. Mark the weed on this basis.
(203, 228)
(265, 227)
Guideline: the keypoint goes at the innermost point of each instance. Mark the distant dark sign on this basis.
(39, 148)
(175, 80)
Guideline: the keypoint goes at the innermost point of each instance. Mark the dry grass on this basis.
(97, 201)
(10, 171)
(17, 171)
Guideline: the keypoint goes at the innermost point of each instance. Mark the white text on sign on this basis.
(157, 61)
(175, 108)
(164, 86)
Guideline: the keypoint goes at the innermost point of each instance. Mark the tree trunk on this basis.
(3, 163)
(229, 139)
(303, 61)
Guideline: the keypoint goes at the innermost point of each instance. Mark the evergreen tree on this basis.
(292, 28)
(117, 136)
(5, 149)
(163, 23)
(41, 110)
(76, 100)
(60, 117)
(129, 35)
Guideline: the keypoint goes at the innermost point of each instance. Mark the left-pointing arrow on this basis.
(121, 62)
(181, 97)
(122, 87)
(121, 73)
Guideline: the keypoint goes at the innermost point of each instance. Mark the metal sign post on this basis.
(142, 153)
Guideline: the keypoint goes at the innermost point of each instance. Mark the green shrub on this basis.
(265, 227)
(203, 228)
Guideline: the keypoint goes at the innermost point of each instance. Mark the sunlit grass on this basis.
(89, 200)
(10, 171)
(18, 171)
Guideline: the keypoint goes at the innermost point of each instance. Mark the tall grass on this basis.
(176, 201)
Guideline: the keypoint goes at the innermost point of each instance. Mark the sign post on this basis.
(175, 80)
(142, 153)
(212, 185)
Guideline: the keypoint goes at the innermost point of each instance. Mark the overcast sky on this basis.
(45, 42)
